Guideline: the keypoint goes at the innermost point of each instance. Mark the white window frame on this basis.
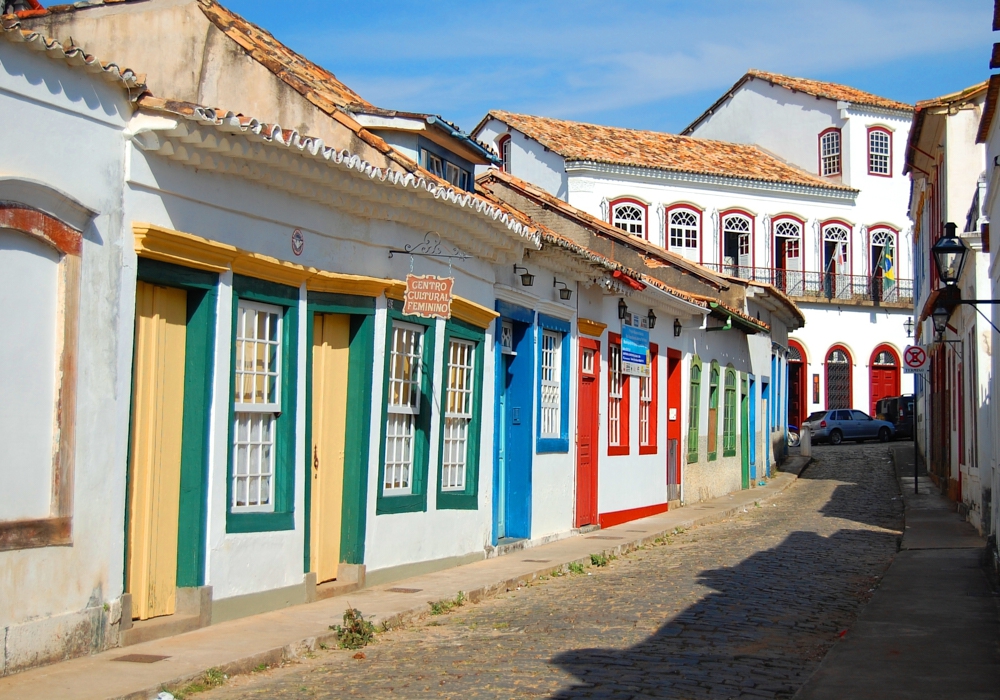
(458, 413)
(879, 154)
(829, 145)
(401, 445)
(551, 384)
(683, 235)
(630, 225)
(645, 408)
(255, 422)
(615, 381)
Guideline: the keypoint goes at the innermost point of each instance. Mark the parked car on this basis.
(843, 424)
(898, 410)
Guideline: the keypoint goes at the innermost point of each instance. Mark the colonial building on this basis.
(828, 230)
(948, 170)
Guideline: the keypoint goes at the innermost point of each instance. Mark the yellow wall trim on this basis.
(159, 243)
(588, 327)
(471, 312)
(396, 290)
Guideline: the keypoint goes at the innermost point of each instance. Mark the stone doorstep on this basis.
(193, 610)
(420, 610)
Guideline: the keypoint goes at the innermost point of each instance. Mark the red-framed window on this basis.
(883, 251)
(618, 399)
(830, 152)
(736, 244)
(879, 151)
(631, 216)
(683, 228)
(503, 146)
(837, 249)
(649, 388)
(787, 233)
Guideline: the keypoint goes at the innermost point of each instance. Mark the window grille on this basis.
(256, 405)
(794, 355)
(629, 218)
(830, 152)
(588, 361)
(403, 410)
(788, 229)
(885, 359)
(458, 414)
(729, 419)
(507, 338)
(615, 395)
(683, 229)
(713, 411)
(878, 152)
(838, 379)
(551, 379)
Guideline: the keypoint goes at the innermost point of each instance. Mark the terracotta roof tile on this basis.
(576, 141)
(831, 91)
(75, 56)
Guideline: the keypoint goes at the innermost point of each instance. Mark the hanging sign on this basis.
(915, 359)
(428, 296)
(635, 350)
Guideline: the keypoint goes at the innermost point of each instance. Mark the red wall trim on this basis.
(654, 404)
(850, 242)
(40, 225)
(773, 238)
(619, 517)
(623, 414)
(500, 144)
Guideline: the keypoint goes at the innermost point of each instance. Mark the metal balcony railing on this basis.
(825, 286)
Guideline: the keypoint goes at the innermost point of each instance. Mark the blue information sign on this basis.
(635, 350)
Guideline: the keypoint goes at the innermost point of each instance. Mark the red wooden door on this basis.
(588, 422)
(673, 425)
(884, 377)
(796, 387)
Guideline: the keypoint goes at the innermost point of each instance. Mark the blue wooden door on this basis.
(753, 428)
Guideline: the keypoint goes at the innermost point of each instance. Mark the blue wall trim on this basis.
(552, 323)
(515, 312)
(561, 443)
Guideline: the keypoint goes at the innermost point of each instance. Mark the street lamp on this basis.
(622, 310)
(527, 279)
(940, 320)
(908, 325)
(652, 319)
(677, 328)
(950, 253)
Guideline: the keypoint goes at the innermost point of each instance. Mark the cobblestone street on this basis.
(743, 608)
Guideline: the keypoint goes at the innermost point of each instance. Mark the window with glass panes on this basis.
(879, 152)
(459, 405)
(648, 405)
(713, 411)
(403, 407)
(256, 405)
(551, 380)
(618, 399)
(630, 218)
(829, 149)
(729, 417)
(683, 229)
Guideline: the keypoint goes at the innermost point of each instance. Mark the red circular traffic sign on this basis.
(915, 357)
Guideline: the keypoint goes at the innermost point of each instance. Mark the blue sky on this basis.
(646, 65)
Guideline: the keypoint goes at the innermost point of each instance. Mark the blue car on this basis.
(843, 424)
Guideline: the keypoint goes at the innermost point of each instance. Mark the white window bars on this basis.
(645, 409)
(629, 218)
(878, 152)
(458, 414)
(829, 145)
(403, 409)
(256, 405)
(551, 384)
(683, 229)
(615, 395)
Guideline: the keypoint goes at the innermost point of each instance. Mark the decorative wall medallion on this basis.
(298, 241)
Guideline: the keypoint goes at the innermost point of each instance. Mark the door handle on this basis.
(316, 460)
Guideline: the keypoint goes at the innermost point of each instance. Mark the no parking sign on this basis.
(916, 359)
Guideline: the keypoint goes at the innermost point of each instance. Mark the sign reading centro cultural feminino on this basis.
(428, 296)
(635, 350)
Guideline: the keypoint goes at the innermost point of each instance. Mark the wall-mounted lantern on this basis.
(677, 328)
(527, 279)
(652, 319)
(565, 293)
(622, 310)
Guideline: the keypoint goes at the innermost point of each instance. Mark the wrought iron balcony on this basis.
(826, 286)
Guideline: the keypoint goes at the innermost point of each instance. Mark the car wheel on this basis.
(883, 435)
(836, 437)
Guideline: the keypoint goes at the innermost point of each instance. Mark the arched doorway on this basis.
(797, 389)
(884, 375)
(838, 378)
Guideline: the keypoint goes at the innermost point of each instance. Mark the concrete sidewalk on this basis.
(241, 645)
(932, 629)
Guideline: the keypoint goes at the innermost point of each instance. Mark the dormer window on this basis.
(629, 216)
(459, 177)
(879, 151)
(503, 145)
(829, 153)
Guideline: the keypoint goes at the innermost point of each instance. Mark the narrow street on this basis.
(745, 608)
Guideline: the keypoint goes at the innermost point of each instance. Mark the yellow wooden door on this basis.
(331, 340)
(155, 468)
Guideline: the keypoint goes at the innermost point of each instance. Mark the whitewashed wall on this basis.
(65, 133)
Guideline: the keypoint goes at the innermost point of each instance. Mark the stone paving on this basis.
(745, 608)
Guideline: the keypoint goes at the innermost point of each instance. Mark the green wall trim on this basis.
(467, 499)
(282, 518)
(694, 410)
(417, 500)
(325, 302)
(199, 364)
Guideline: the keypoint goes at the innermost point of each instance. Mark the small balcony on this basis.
(827, 287)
